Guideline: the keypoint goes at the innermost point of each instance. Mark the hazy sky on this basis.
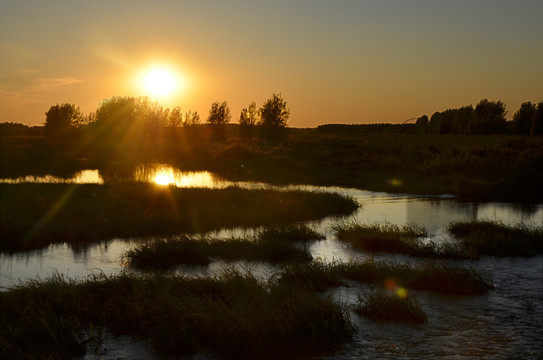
(362, 61)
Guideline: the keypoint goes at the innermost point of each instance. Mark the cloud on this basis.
(45, 84)
(17, 94)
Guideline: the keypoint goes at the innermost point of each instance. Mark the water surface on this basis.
(506, 323)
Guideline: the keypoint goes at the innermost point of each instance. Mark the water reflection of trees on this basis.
(453, 209)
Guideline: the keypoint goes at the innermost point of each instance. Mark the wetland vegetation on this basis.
(273, 244)
(234, 314)
(35, 215)
(473, 167)
(497, 239)
(386, 306)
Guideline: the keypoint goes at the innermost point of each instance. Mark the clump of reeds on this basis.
(271, 244)
(232, 315)
(388, 306)
(497, 239)
(434, 276)
(35, 215)
(392, 238)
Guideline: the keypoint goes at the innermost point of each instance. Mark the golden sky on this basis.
(359, 61)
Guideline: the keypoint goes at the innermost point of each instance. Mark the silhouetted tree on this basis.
(128, 127)
(489, 117)
(219, 114)
(175, 117)
(537, 120)
(248, 120)
(274, 116)
(522, 119)
(191, 118)
(462, 119)
(440, 122)
(422, 124)
(61, 120)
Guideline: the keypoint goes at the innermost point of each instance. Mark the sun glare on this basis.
(160, 82)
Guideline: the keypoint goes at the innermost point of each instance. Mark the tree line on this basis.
(487, 117)
(142, 117)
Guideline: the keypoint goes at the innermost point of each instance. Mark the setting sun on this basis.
(160, 82)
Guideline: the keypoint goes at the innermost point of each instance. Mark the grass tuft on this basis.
(497, 239)
(274, 245)
(387, 306)
(434, 276)
(403, 239)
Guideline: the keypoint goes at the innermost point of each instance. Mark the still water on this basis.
(506, 323)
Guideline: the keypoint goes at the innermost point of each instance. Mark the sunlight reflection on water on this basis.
(168, 175)
(80, 177)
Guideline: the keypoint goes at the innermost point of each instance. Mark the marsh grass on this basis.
(434, 276)
(232, 315)
(392, 238)
(33, 216)
(271, 244)
(387, 306)
(497, 239)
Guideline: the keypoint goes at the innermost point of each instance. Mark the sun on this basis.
(160, 82)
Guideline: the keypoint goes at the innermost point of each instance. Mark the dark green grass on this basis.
(273, 244)
(35, 215)
(439, 277)
(387, 306)
(232, 316)
(497, 239)
(403, 239)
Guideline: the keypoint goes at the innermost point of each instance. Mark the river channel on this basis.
(506, 323)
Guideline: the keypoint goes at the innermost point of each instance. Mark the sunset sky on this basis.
(359, 61)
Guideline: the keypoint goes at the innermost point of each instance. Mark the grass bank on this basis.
(233, 316)
(439, 277)
(497, 239)
(273, 244)
(387, 306)
(403, 239)
(35, 215)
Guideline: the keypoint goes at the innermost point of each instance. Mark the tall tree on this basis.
(537, 120)
(274, 116)
(489, 117)
(191, 118)
(219, 114)
(422, 124)
(522, 119)
(62, 119)
(248, 120)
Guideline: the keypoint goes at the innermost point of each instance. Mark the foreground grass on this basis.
(387, 306)
(497, 239)
(439, 277)
(35, 215)
(273, 244)
(403, 239)
(232, 316)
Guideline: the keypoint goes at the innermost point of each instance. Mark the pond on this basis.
(505, 323)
